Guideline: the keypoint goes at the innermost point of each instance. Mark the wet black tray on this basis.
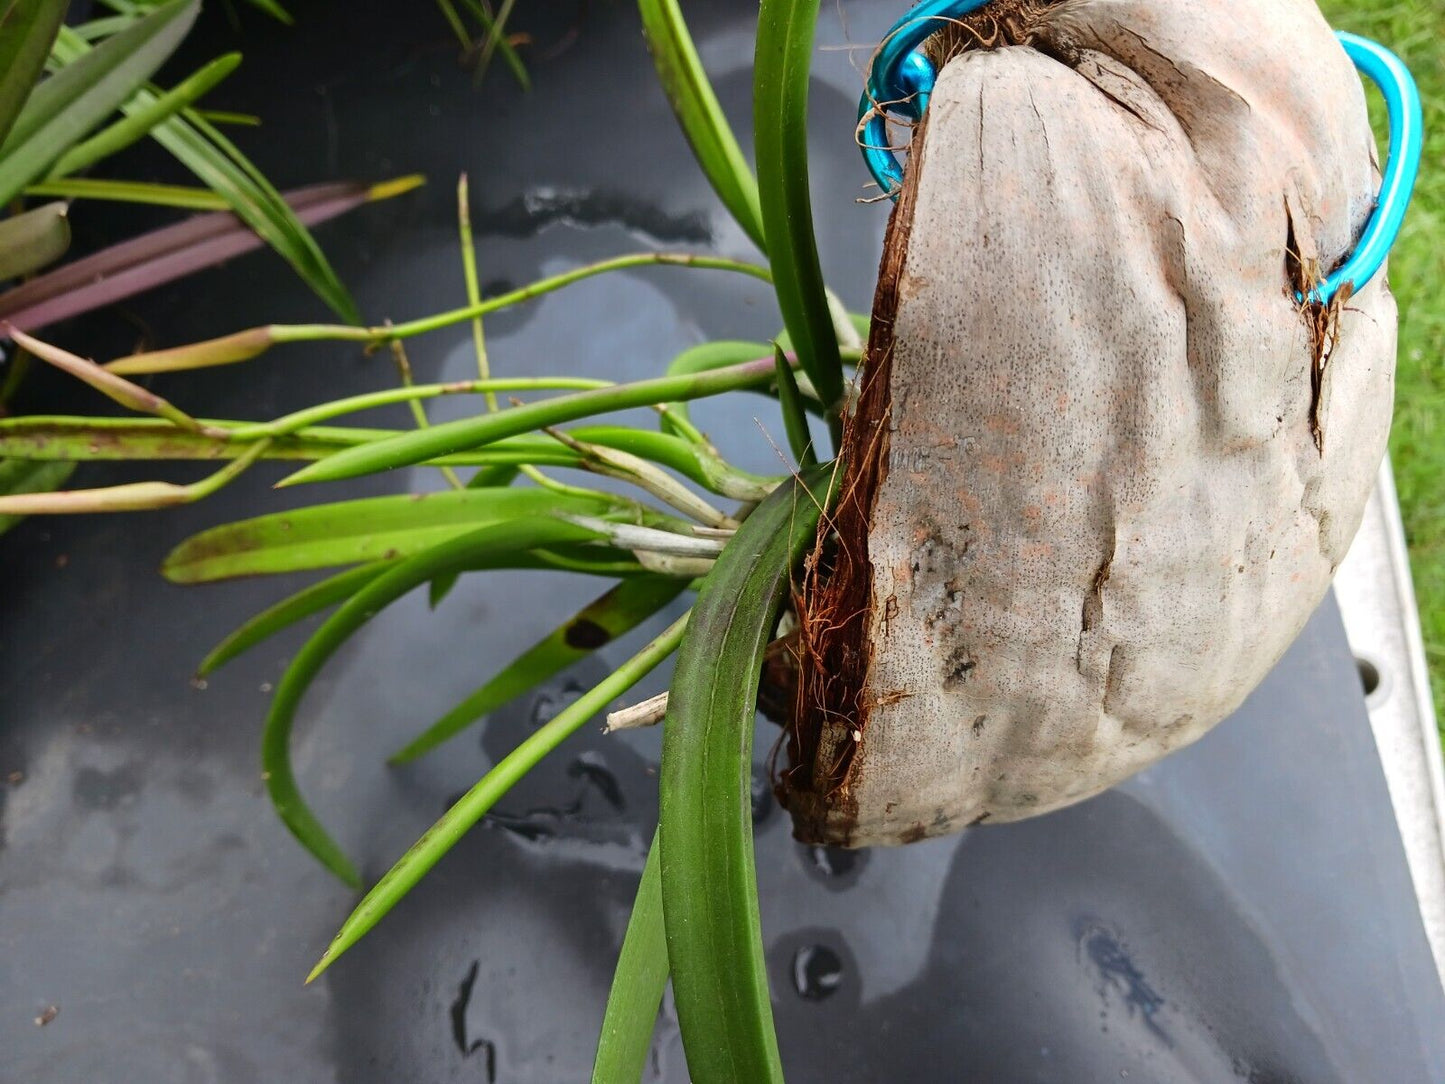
(1241, 912)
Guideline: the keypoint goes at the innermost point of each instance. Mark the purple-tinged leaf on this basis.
(117, 388)
(164, 255)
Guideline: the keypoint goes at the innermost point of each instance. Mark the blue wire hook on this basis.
(1402, 166)
(902, 80)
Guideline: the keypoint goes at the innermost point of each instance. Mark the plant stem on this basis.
(287, 333)
(132, 497)
(467, 433)
(474, 292)
(290, 423)
(639, 985)
(474, 298)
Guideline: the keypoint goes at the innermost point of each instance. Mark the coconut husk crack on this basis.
(1321, 320)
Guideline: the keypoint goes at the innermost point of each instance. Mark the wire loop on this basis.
(902, 78)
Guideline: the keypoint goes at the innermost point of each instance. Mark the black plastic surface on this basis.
(1241, 912)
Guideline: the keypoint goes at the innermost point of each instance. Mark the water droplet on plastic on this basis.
(535, 826)
(591, 767)
(817, 972)
(460, 1032)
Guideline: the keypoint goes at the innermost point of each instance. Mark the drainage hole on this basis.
(1369, 675)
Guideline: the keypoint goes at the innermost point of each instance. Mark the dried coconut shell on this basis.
(1103, 464)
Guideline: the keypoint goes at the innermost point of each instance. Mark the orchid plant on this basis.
(689, 521)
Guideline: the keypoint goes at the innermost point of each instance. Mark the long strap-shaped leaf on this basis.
(81, 438)
(163, 255)
(522, 534)
(687, 88)
(350, 532)
(586, 559)
(637, 987)
(27, 27)
(709, 884)
(470, 807)
(599, 622)
(131, 129)
(780, 138)
(289, 611)
(84, 439)
(79, 96)
(795, 415)
(212, 158)
(467, 433)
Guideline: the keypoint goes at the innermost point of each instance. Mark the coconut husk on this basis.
(1103, 464)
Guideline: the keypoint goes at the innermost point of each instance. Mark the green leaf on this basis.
(53, 436)
(780, 138)
(709, 883)
(449, 12)
(496, 34)
(795, 416)
(518, 535)
(468, 433)
(98, 29)
(599, 622)
(499, 475)
(287, 612)
(185, 197)
(32, 239)
(696, 105)
(229, 116)
(116, 137)
(273, 9)
(223, 169)
(505, 47)
(77, 97)
(352, 532)
(637, 987)
(443, 835)
(438, 590)
(27, 27)
(23, 476)
(860, 322)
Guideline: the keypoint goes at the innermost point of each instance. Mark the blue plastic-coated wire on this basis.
(902, 79)
(1402, 165)
(900, 82)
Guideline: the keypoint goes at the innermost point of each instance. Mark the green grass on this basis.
(1415, 29)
